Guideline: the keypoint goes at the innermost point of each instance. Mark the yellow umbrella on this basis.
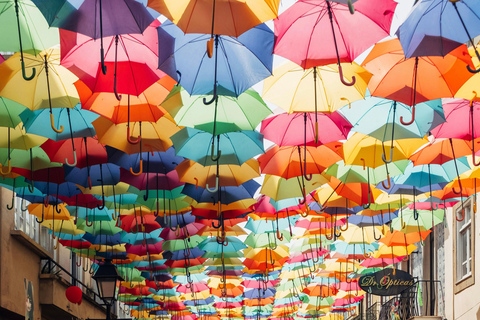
(49, 212)
(19, 139)
(62, 226)
(293, 89)
(279, 188)
(33, 93)
(366, 151)
(193, 172)
(154, 136)
(391, 252)
(231, 18)
(469, 89)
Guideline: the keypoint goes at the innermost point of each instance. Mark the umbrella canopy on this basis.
(221, 18)
(223, 75)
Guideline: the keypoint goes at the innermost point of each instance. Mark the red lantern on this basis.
(74, 294)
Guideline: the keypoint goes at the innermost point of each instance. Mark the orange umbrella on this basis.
(145, 107)
(442, 150)
(319, 290)
(289, 162)
(416, 79)
(398, 238)
(232, 292)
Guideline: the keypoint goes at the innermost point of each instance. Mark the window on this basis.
(464, 245)
(28, 224)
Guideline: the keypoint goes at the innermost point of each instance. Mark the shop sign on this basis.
(386, 282)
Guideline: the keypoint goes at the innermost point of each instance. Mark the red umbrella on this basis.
(88, 151)
(194, 287)
(133, 57)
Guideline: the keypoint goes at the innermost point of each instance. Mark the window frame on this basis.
(468, 279)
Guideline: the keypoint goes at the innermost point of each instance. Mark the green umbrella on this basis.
(9, 112)
(233, 114)
(175, 245)
(417, 220)
(105, 228)
(218, 255)
(263, 240)
(359, 174)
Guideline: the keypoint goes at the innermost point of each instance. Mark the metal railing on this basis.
(50, 266)
(417, 300)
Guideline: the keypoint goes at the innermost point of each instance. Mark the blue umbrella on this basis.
(225, 195)
(236, 64)
(190, 253)
(160, 162)
(436, 27)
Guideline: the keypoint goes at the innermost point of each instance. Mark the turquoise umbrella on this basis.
(231, 244)
(232, 148)
(430, 174)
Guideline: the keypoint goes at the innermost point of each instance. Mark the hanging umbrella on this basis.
(278, 188)
(133, 57)
(154, 136)
(236, 147)
(295, 90)
(233, 114)
(97, 19)
(285, 129)
(343, 44)
(10, 112)
(418, 79)
(219, 18)
(192, 172)
(25, 31)
(60, 91)
(198, 74)
(454, 24)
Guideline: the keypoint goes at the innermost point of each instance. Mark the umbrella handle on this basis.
(31, 187)
(10, 207)
(38, 221)
(25, 75)
(212, 154)
(129, 139)
(215, 189)
(458, 192)
(52, 124)
(340, 72)
(385, 159)
(215, 96)
(115, 215)
(56, 208)
(473, 70)
(307, 212)
(346, 226)
(46, 201)
(74, 159)
(102, 61)
(21, 206)
(463, 216)
(388, 182)
(411, 121)
(140, 171)
(88, 224)
(9, 170)
(351, 8)
(349, 103)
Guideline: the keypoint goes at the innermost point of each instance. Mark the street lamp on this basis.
(108, 280)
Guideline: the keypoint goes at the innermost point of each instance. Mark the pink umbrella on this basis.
(194, 287)
(132, 60)
(460, 111)
(182, 233)
(287, 129)
(259, 284)
(335, 35)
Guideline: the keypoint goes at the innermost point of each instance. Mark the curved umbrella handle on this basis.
(346, 226)
(31, 187)
(10, 207)
(307, 211)
(52, 124)
(411, 121)
(24, 72)
(74, 159)
(349, 103)
(215, 189)
(212, 154)
(140, 169)
(455, 190)
(473, 70)
(43, 217)
(340, 72)
(215, 96)
(118, 96)
(388, 183)
(463, 216)
(391, 156)
(9, 170)
(129, 139)
(23, 209)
